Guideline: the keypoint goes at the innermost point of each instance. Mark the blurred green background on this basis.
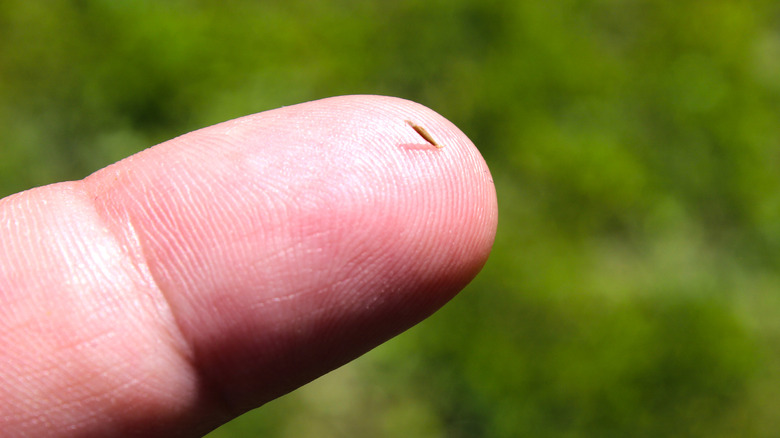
(634, 287)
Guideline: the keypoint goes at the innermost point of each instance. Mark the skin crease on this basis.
(193, 281)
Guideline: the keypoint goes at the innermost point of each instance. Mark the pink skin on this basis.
(182, 286)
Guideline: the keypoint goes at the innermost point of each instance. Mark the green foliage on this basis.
(633, 286)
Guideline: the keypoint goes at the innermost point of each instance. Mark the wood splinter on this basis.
(424, 134)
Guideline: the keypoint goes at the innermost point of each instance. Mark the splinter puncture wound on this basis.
(424, 134)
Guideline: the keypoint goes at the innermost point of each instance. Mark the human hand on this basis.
(191, 282)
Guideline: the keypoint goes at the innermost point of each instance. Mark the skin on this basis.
(198, 279)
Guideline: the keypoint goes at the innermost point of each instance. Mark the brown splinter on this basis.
(424, 134)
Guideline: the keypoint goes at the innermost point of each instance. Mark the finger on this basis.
(214, 272)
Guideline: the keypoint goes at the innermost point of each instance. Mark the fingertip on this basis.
(289, 242)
